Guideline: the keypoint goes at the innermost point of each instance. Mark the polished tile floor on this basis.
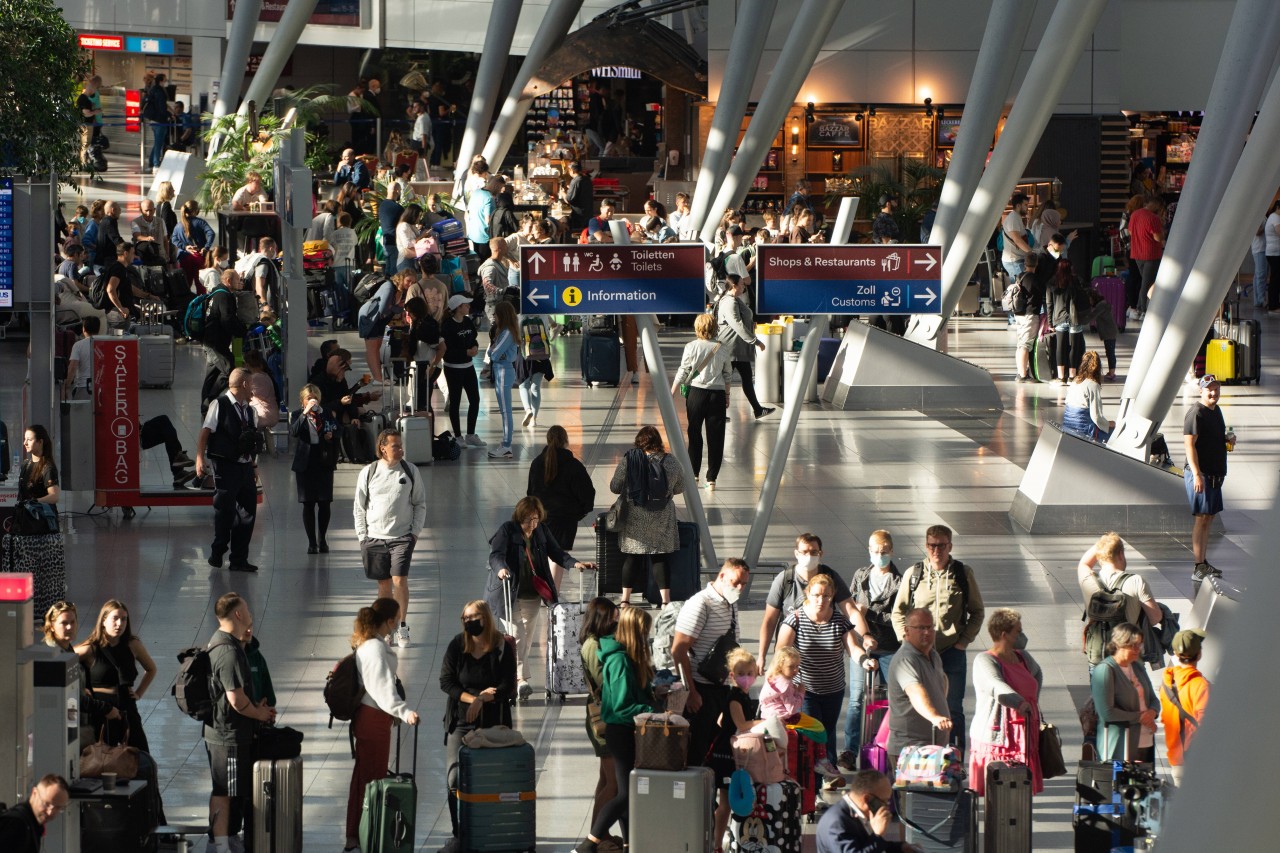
(849, 473)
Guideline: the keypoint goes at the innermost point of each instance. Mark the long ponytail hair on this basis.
(557, 437)
(190, 210)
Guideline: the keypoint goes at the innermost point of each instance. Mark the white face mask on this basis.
(805, 562)
(880, 561)
(732, 594)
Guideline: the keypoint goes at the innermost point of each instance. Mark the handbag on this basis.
(1051, 762)
(540, 586)
(100, 757)
(276, 743)
(697, 371)
(929, 768)
(593, 717)
(617, 515)
(662, 742)
(759, 755)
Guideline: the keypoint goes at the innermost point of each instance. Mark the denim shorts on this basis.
(1208, 502)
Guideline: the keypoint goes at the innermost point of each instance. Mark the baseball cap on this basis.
(1207, 380)
(1186, 643)
(458, 300)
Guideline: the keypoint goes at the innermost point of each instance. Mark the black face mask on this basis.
(475, 627)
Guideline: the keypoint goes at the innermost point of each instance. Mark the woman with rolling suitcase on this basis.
(479, 676)
(383, 703)
(646, 480)
(1006, 723)
(561, 482)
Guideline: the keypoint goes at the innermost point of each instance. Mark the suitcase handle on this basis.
(400, 726)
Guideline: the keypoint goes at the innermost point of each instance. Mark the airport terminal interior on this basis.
(847, 474)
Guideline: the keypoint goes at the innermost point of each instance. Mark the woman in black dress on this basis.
(113, 656)
(561, 482)
(38, 478)
(315, 456)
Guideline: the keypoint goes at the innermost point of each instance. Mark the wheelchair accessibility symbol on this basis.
(572, 296)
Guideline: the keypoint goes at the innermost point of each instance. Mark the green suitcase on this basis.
(389, 814)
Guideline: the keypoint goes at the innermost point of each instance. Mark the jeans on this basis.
(504, 376)
(825, 708)
(159, 136)
(1261, 279)
(955, 667)
(1110, 346)
(1148, 270)
(1013, 269)
(531, 393)
(857, 689)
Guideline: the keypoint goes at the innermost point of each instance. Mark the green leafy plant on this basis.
(916, 182)
(41, 69)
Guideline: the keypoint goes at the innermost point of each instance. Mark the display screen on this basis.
(6, 242)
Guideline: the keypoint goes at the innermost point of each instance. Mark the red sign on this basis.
(115, 410)
(133, 111)
(90, 41)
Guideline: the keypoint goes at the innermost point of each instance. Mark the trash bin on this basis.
(768, 372)
(791, 363)
(797, 328)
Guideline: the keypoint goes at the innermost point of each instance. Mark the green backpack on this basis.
(1104, 611)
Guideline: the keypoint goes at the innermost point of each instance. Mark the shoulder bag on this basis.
(617, 514)
(697, 371)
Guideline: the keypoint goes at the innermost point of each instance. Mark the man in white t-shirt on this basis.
(80, 361)
(1103, 566)
(1014, 228)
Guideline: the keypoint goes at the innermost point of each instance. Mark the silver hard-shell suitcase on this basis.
(1008, 808)
(675, 809)
(565, 674)
(155, 361)
(277, 806)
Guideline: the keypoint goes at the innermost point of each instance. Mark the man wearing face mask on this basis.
(787, 591)
(948, 589)
(875, 588)
(706, 631)
(861, 819)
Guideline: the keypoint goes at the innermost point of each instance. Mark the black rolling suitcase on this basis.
(940, 821)
(684, 567)
(118, 823)
(601, 358)
(609, 559)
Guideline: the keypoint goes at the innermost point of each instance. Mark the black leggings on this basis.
(314, 512)
(1070, 350)
(1273, 282)
(621, 741)
(706, 407)
(463, 380)
(425, 385)
(748, 385)
(633, 570)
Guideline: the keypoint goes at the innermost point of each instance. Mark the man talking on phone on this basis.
(858, 823)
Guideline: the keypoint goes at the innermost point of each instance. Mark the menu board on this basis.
(6, 242)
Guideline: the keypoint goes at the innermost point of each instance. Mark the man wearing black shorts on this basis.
(1204, 431)
(228, 739)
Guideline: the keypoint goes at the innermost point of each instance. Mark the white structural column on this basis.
(1237, 87)
(793, 397)
(1069, 30)
(670, 418)
(808, 32)
(236, 60)
(551, 32)
(1212, 274)
(1002, 42)
(293, 20)
(294, 153)
(749, 34)
(493, 59)
(1245, 819)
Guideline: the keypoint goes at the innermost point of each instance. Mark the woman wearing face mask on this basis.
(875, 589)
(479, 676)
(600, 620)
(1006, 722)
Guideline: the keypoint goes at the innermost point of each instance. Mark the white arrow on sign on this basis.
(930, 263)
(930, 297)
(536, 260)
(534, 295)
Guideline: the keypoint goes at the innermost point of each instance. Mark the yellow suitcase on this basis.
(1220, 359)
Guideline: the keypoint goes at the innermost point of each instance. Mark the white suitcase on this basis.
(417, 433)
(155, 361)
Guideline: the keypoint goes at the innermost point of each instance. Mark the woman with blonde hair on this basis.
(626, 673)
(382, 704)
(703, 377)
(315, 456)
(1082, 412)
(61, 622)
(478, 674)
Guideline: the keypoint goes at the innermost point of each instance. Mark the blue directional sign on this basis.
(853, 279)
(602, 278)
(6, 242)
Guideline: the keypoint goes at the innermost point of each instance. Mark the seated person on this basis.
(159, 430)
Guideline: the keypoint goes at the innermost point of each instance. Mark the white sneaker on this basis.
(501, 452)
(402, 636)
(474, 440)
(528, 418)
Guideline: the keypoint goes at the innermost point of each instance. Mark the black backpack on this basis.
(343, 690)
(98, 293)
(656, 488)
(193, 688)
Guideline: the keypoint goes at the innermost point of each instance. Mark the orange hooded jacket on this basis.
(1192, 690)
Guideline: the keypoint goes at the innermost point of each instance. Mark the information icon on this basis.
(572, 296)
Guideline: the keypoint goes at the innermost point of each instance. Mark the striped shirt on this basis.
(822, 650)
(706, 617)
